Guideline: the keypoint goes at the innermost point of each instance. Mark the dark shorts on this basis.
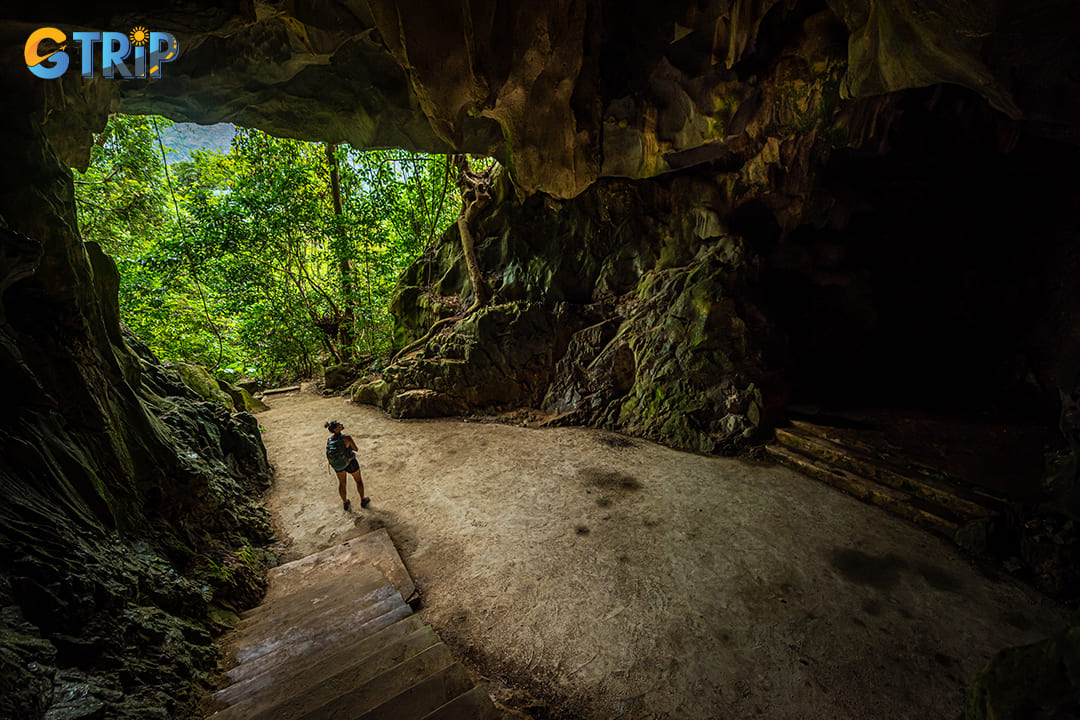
(353, 466)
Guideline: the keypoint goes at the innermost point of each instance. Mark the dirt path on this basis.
(625, 579)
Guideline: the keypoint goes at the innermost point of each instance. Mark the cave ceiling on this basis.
(564, 91)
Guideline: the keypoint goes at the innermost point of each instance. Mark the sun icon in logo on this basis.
(139, 36)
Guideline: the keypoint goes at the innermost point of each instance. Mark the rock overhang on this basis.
(563, 93)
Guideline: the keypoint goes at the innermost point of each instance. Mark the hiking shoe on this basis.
(348, 505)
(364, 502)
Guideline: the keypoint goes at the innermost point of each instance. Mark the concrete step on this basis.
(309, 690)
(401, 680)
(423, 698)
(474, 704)
(271, 687)
(907, 470)
(301, 648)
(895, 501)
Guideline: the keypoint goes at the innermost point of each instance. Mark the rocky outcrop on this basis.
(129, 526)
(684, 367)
(215, 390)
(862, 262)
(337, 377)
(649, 327)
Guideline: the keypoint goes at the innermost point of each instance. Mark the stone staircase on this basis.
(334, 639)
(922, 495)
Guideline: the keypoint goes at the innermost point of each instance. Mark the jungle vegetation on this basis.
(264, 260)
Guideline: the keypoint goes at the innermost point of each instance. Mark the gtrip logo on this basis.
(148, 52)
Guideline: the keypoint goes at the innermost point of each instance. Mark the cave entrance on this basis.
(915, 316)
(262, 259)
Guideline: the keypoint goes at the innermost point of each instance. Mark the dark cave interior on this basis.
(920, 293)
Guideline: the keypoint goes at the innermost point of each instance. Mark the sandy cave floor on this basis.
(619, 578)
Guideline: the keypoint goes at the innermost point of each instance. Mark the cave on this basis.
(921, 296)
(716, 219)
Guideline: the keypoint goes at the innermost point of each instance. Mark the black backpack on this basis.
(337, 454)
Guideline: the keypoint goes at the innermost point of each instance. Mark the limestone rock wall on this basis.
(128, 525)
(649, 326)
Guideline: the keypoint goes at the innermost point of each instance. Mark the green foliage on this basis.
(121, 195)
(238, 261)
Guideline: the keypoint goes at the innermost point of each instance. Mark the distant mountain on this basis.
(182, 138)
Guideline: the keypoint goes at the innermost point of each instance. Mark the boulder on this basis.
(651, 329)
(252, 403)
(336, 377)
(423, 403)
(251, 385)
(1033, 681)
(375, 392)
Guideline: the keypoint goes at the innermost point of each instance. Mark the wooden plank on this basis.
(280, 390)
(894, 501)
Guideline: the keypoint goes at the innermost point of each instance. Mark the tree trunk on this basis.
(468, 245)
(476, 194)
(475, 191)
(370, 302)
(345, 329)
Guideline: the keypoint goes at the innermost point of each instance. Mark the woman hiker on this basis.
(341, 453)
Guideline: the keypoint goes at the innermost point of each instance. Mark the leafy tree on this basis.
(121, 194)
(264, 260)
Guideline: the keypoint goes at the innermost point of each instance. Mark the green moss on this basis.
(373, 393)
(753, 413)
(243, 401)
(252, 558)
(539, 273)
(210, 573)
(202, 383)
(670, 254)
(251, 403)
(221, 619)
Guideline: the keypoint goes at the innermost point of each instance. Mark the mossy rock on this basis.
(424, 403)
(250, 384)
(202, 383)
(252, 403)
(1032, 681)
(239, 580)
(243, 401)
(221, 619)
(232, 391)
(336, 377)
(372, 393)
